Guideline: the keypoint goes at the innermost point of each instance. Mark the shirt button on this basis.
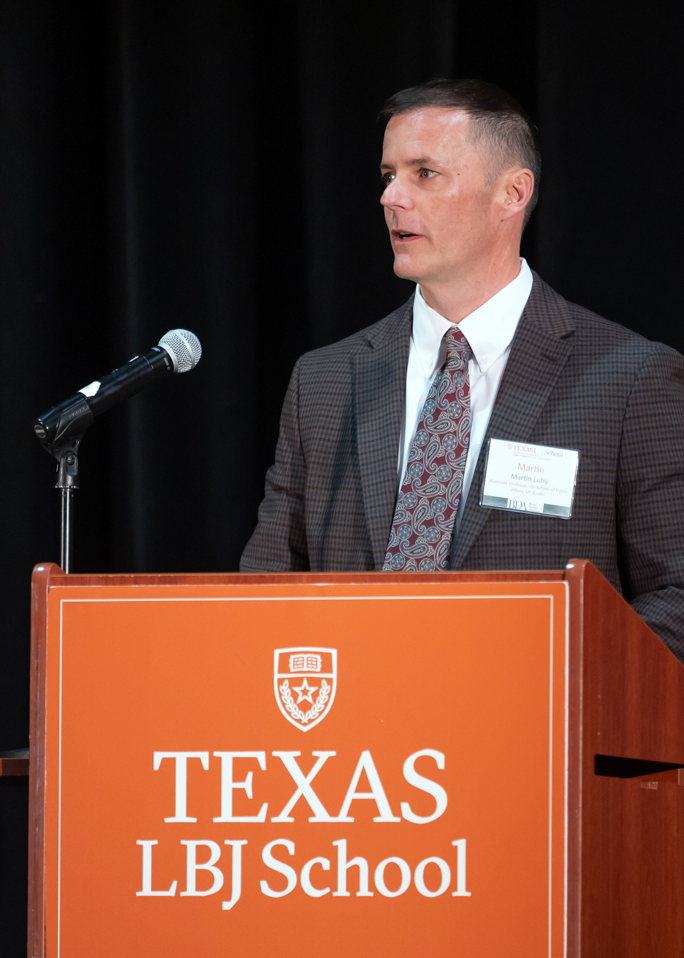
(487, 360)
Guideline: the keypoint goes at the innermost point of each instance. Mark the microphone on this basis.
(178, 351)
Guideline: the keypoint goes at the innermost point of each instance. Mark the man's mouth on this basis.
(405, 236)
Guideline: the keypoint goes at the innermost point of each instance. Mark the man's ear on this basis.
(517, 190)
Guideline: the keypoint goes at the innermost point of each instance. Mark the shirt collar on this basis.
(488, 329)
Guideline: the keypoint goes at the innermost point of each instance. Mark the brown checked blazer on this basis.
(572, 380)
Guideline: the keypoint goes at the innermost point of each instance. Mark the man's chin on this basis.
(406, 267)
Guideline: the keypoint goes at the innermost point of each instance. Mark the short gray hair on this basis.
(499, 125)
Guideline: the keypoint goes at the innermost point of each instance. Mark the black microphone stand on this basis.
(73, 418)
(67, 483)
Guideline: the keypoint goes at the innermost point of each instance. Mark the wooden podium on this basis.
(466, 764)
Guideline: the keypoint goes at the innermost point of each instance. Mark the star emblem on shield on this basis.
(305, 682)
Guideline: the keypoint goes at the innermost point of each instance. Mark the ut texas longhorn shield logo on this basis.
(305, 682)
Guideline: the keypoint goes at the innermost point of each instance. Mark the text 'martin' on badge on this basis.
(520, 477)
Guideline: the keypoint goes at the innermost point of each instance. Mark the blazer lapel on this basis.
(379, 396)
(541, 347)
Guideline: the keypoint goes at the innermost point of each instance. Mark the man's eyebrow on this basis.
(419, 161)
(422, 161)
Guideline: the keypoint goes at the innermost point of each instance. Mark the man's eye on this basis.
(387, 178)
(427, 174)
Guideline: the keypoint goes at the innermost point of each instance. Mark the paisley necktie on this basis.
(427, 504)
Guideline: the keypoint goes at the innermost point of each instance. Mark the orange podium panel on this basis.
(351, 765)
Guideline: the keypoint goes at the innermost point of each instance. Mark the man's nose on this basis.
(395, 194)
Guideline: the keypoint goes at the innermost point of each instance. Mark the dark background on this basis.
(213, 165)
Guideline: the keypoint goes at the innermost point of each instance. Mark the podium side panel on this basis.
(631, 848)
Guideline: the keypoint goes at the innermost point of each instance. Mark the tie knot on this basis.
(458, 351)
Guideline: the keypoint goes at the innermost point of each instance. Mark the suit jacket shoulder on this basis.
(550, 311)
(374, 336)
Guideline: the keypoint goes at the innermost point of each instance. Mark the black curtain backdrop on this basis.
(213, 165)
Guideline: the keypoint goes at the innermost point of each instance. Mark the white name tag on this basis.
(525, 478)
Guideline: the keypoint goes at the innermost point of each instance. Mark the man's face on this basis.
(442, 216)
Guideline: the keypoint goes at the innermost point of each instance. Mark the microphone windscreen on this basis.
(183, 347)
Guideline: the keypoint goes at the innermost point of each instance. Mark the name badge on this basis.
(523, 478)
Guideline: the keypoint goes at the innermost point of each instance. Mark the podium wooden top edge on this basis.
(51, 575)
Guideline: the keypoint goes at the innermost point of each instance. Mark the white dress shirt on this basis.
(489, 331)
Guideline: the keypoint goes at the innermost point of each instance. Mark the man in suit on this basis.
(383, 439)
